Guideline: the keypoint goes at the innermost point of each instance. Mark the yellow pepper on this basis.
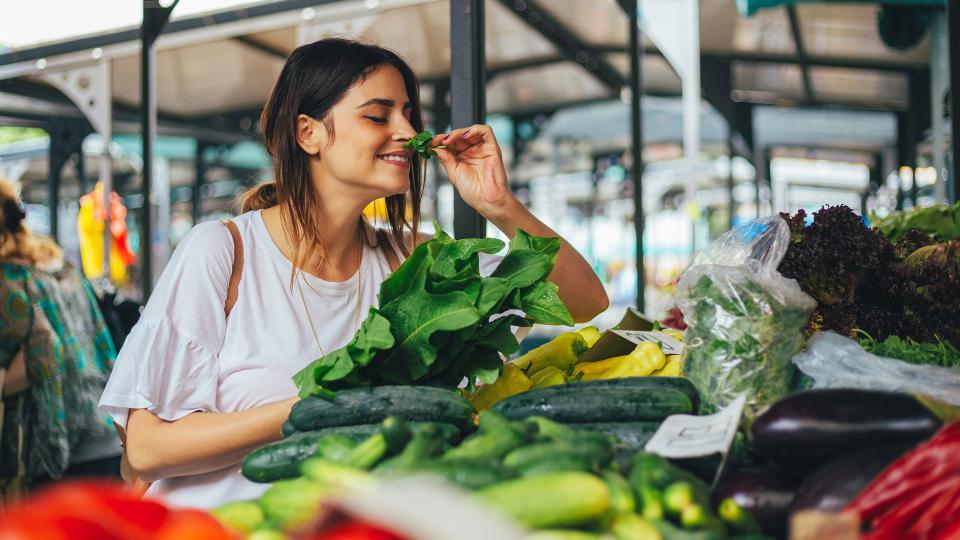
(673, 368)
(512, 381)
(590, 334)
(562, 351)
(675, 334)
(643, 360)
(548, 376)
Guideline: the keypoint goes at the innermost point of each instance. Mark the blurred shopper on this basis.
(55, 358)
(205, 376)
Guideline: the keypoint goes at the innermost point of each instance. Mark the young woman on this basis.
(55, 357)
(197, 390)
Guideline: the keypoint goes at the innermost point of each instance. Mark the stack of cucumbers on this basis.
(545, 458)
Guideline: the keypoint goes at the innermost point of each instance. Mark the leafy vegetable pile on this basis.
(940, 222)
(440, 321)
(863, 281)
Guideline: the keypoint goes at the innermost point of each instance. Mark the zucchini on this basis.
(387, 442)
(374, 404)
(330, 473)
(590, 402)
(629, 526)
(563, 534)
(557, 499)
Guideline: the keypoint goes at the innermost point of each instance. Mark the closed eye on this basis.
(376, 119)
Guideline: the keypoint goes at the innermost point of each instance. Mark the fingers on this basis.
(463, 138)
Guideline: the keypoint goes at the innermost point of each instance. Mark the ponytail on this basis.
(259, 197)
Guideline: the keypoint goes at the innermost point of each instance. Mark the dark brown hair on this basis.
(314, 78)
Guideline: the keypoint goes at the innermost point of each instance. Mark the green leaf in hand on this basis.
(542, 303)
(420, 144)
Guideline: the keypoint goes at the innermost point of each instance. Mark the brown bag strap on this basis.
(237, 271)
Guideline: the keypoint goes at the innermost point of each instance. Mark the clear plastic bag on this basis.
(745, 321)
(834, 361)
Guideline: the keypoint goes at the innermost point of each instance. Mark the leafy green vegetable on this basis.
(741, 337)
(942, 353)
(420, 144)
(939, 221)
(440, 321)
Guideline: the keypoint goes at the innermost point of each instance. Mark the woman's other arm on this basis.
(199, 442)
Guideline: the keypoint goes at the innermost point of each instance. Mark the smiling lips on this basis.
(397, 159)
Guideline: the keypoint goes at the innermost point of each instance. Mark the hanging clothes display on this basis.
(91, 220)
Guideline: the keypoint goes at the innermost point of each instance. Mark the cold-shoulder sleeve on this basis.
(169, 363)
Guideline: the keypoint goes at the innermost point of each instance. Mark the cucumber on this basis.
(280, 460)
(579, 455)
(622, 500)
(558, 499)
(427, 441)
(629, 400)
(632, 436)
(287, 429)
(563, 534)
(374, 404)
(470, 474)
(680, 384)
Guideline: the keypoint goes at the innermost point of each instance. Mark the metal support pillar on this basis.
(66, 141)
(440, 111)
(200, 178)
(635, 54)
(154, 19)
(731, 203)
(953, 15)
(906, 153)
(467, 94)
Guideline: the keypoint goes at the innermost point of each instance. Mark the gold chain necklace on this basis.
(356, 313)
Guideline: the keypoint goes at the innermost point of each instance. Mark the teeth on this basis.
(399, 159)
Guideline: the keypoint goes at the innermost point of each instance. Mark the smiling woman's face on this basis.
(371, 124)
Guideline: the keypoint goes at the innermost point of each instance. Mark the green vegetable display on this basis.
(434, 322)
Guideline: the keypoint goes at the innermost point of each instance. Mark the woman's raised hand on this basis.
(474, 164)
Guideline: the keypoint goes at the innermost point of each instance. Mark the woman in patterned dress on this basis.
(55, 357)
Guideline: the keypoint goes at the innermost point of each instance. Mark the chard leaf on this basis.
(485, 366)
(373, 335)
(455, 256)
(415, 317)
(542, 303)
(548, 245)
(523, 267)
(412, 271)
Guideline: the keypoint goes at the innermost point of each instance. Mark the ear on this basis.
(310, 134)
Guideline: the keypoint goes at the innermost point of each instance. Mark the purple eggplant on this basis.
(764, 492)
(839, 482)
(803, 432)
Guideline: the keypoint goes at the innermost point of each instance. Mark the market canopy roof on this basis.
(215, 69)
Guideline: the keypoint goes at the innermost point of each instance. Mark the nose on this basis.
(404, 130)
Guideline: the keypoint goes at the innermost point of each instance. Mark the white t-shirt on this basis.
(184, 356)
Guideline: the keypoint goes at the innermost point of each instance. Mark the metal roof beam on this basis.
(801, 52)
(181, 25)
(569, 45)
(265, 48)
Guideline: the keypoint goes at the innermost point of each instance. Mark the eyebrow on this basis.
(385, 103)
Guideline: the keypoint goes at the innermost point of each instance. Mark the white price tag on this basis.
(684, 436)
(667, 343)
